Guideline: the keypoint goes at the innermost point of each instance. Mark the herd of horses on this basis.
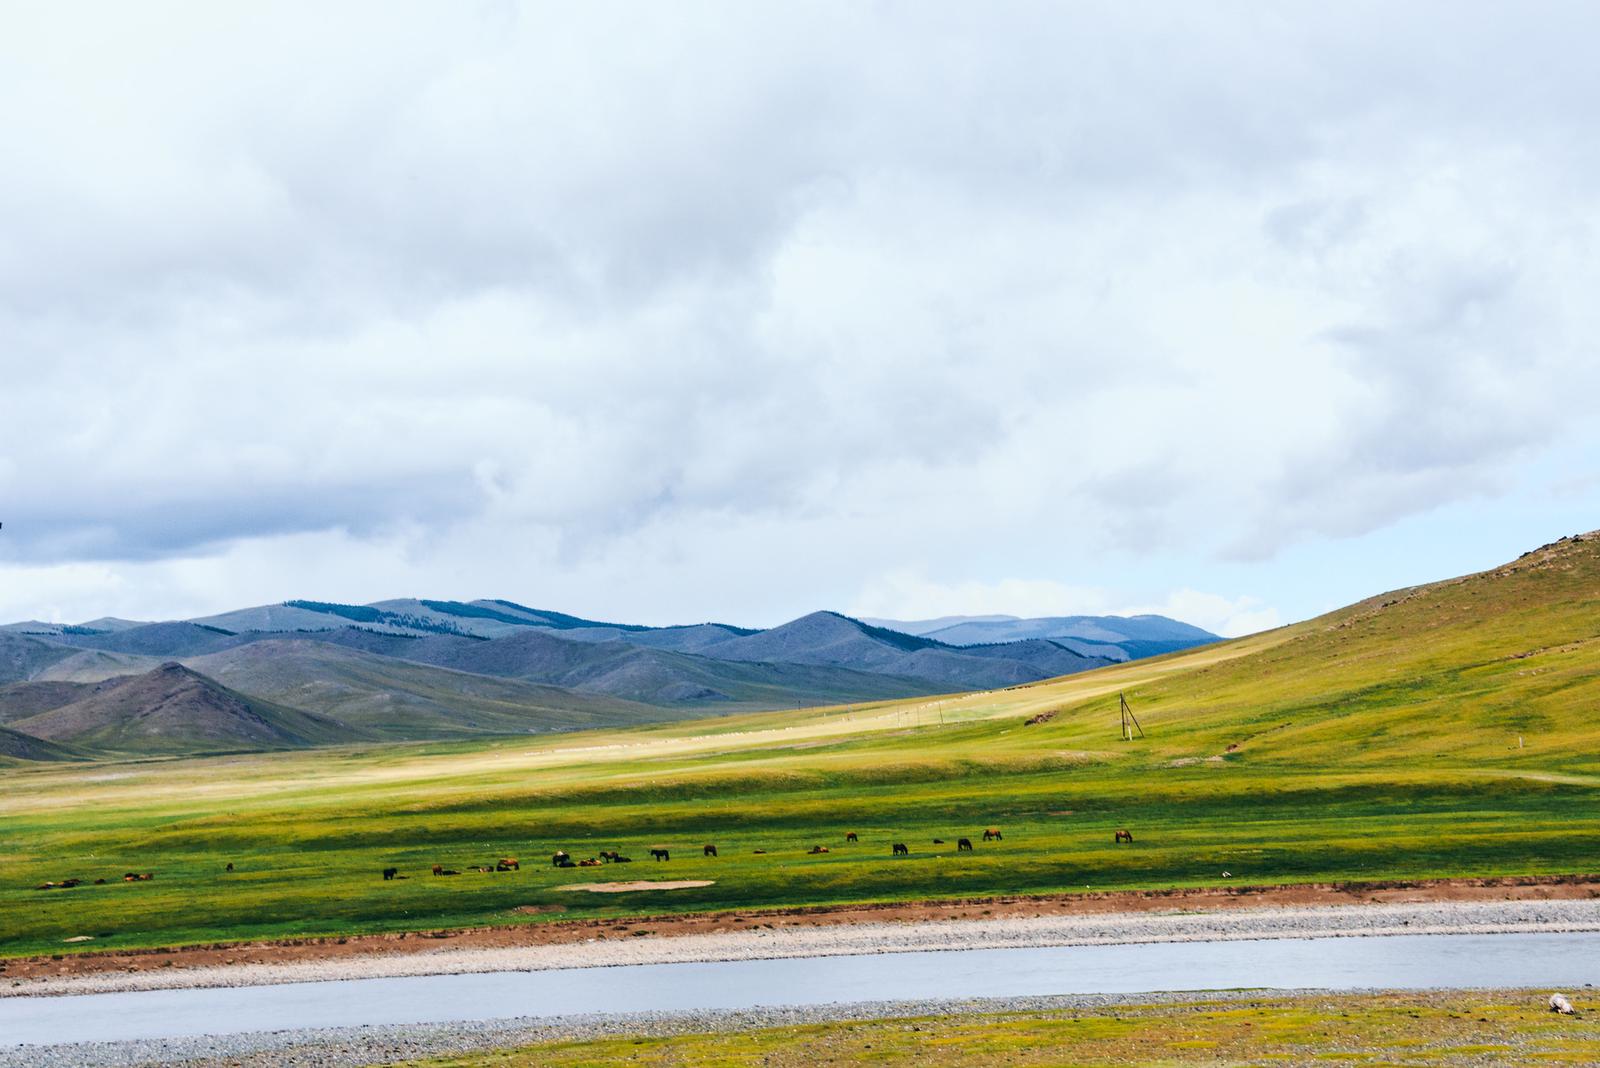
(562, 859)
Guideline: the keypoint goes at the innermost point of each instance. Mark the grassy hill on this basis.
(1377, 742)
(15, 746)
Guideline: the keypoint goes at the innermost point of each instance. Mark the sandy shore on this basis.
(774, 940)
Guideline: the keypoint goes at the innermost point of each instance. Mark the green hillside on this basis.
(1378, 742)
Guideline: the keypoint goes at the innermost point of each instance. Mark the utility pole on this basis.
(1129, 722)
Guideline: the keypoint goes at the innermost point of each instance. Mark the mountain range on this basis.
(306, 673)
(1112, 637)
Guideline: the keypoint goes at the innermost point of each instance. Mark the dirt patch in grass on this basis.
(638, 884)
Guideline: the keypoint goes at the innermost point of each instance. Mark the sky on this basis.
(1236, 312)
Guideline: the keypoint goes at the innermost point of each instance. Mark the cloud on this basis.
(731, 310)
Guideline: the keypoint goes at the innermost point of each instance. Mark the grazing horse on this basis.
(558, 856)
(963, 843)
(850, 836)
(608, 855)
(229, 867)
(660, 854)
(901, 850)
(991, 835)
(1124, 836)
(438, 869)
(507, 864)
(710, 850)
(390, 873)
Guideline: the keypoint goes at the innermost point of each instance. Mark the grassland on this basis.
(1407, 1029)
(1445, 731)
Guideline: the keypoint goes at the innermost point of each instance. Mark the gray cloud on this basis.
(637, 284)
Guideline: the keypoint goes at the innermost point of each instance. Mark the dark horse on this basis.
(963, 843)
(710, 850)
(390, 873)
(660, 854)
(901, 850)
(850, 836)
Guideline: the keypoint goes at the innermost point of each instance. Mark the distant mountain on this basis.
(308, 672)
(632, 672)
(1112, 637)
(830, 638)
(395, 699)
(96, 665)
(19, 700)
(23, 656)
(168, 640)
(173, 710)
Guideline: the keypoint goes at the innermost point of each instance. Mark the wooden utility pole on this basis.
(1130, 723)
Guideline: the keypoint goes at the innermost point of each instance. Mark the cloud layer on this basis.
(733, 311)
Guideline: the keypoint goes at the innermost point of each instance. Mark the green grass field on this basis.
(1381, 741)
(1476, 1028)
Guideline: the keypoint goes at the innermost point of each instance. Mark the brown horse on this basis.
(710, 850)
(850, 836)
(1124, 836)
(507, 864)
(991, 835)
(816, 849)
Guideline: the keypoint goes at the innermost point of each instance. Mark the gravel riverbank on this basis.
(779, 940)
(360, 1047)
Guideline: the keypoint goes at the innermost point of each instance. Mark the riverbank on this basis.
(1526, 907)
(1417, 1027)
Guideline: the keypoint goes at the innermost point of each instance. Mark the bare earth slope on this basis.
(397, 699)
(174, 710)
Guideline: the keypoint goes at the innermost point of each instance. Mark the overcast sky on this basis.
(671, 312)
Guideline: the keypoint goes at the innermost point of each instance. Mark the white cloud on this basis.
(728, 312)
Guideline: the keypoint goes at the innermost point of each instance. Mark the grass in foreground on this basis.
(1445, 731)
(1505, 1027)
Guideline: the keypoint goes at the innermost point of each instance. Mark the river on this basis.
(1408, 961)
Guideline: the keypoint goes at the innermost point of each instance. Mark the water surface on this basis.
(1401, 962)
